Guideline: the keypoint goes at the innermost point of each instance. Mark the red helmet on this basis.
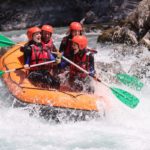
(81, 40)
(31, 31)
(75, 26)
(47, 28)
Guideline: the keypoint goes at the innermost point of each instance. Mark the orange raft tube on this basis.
(21, 88)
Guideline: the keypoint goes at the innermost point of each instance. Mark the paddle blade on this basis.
(130, 81)
(125, 97)
(5, 42)
(1, 73)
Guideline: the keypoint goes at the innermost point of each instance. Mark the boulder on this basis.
(134, 30)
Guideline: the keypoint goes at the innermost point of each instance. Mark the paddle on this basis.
(12, 70)
(124, 96)
(6, 42)
(128, 80)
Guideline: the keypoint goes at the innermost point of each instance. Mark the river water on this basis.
(122, 128)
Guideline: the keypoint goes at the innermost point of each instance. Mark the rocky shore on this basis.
(134, 29)
(20, 14)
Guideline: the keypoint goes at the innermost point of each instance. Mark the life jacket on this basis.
(81, 60)
(39, 55)
(48, 46)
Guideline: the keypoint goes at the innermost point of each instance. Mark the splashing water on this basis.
(121, 129)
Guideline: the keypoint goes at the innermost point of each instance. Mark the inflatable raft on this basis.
(51, 101)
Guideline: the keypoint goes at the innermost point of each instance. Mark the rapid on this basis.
(122, 128)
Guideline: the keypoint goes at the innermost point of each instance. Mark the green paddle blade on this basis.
(130, 81)
(5, 42)
(125, 97)
(1, 73)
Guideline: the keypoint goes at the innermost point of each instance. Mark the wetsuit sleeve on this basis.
(63, 45)
(27, 54)
(63, 63)
(53, 56)
(91, 65)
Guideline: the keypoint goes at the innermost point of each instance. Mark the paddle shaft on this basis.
(80, 68)
(86, 72)
(75, 65)
(40, 64)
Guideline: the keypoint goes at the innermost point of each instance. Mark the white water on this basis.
(123, 128)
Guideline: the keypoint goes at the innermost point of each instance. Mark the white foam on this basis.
(123, 128)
